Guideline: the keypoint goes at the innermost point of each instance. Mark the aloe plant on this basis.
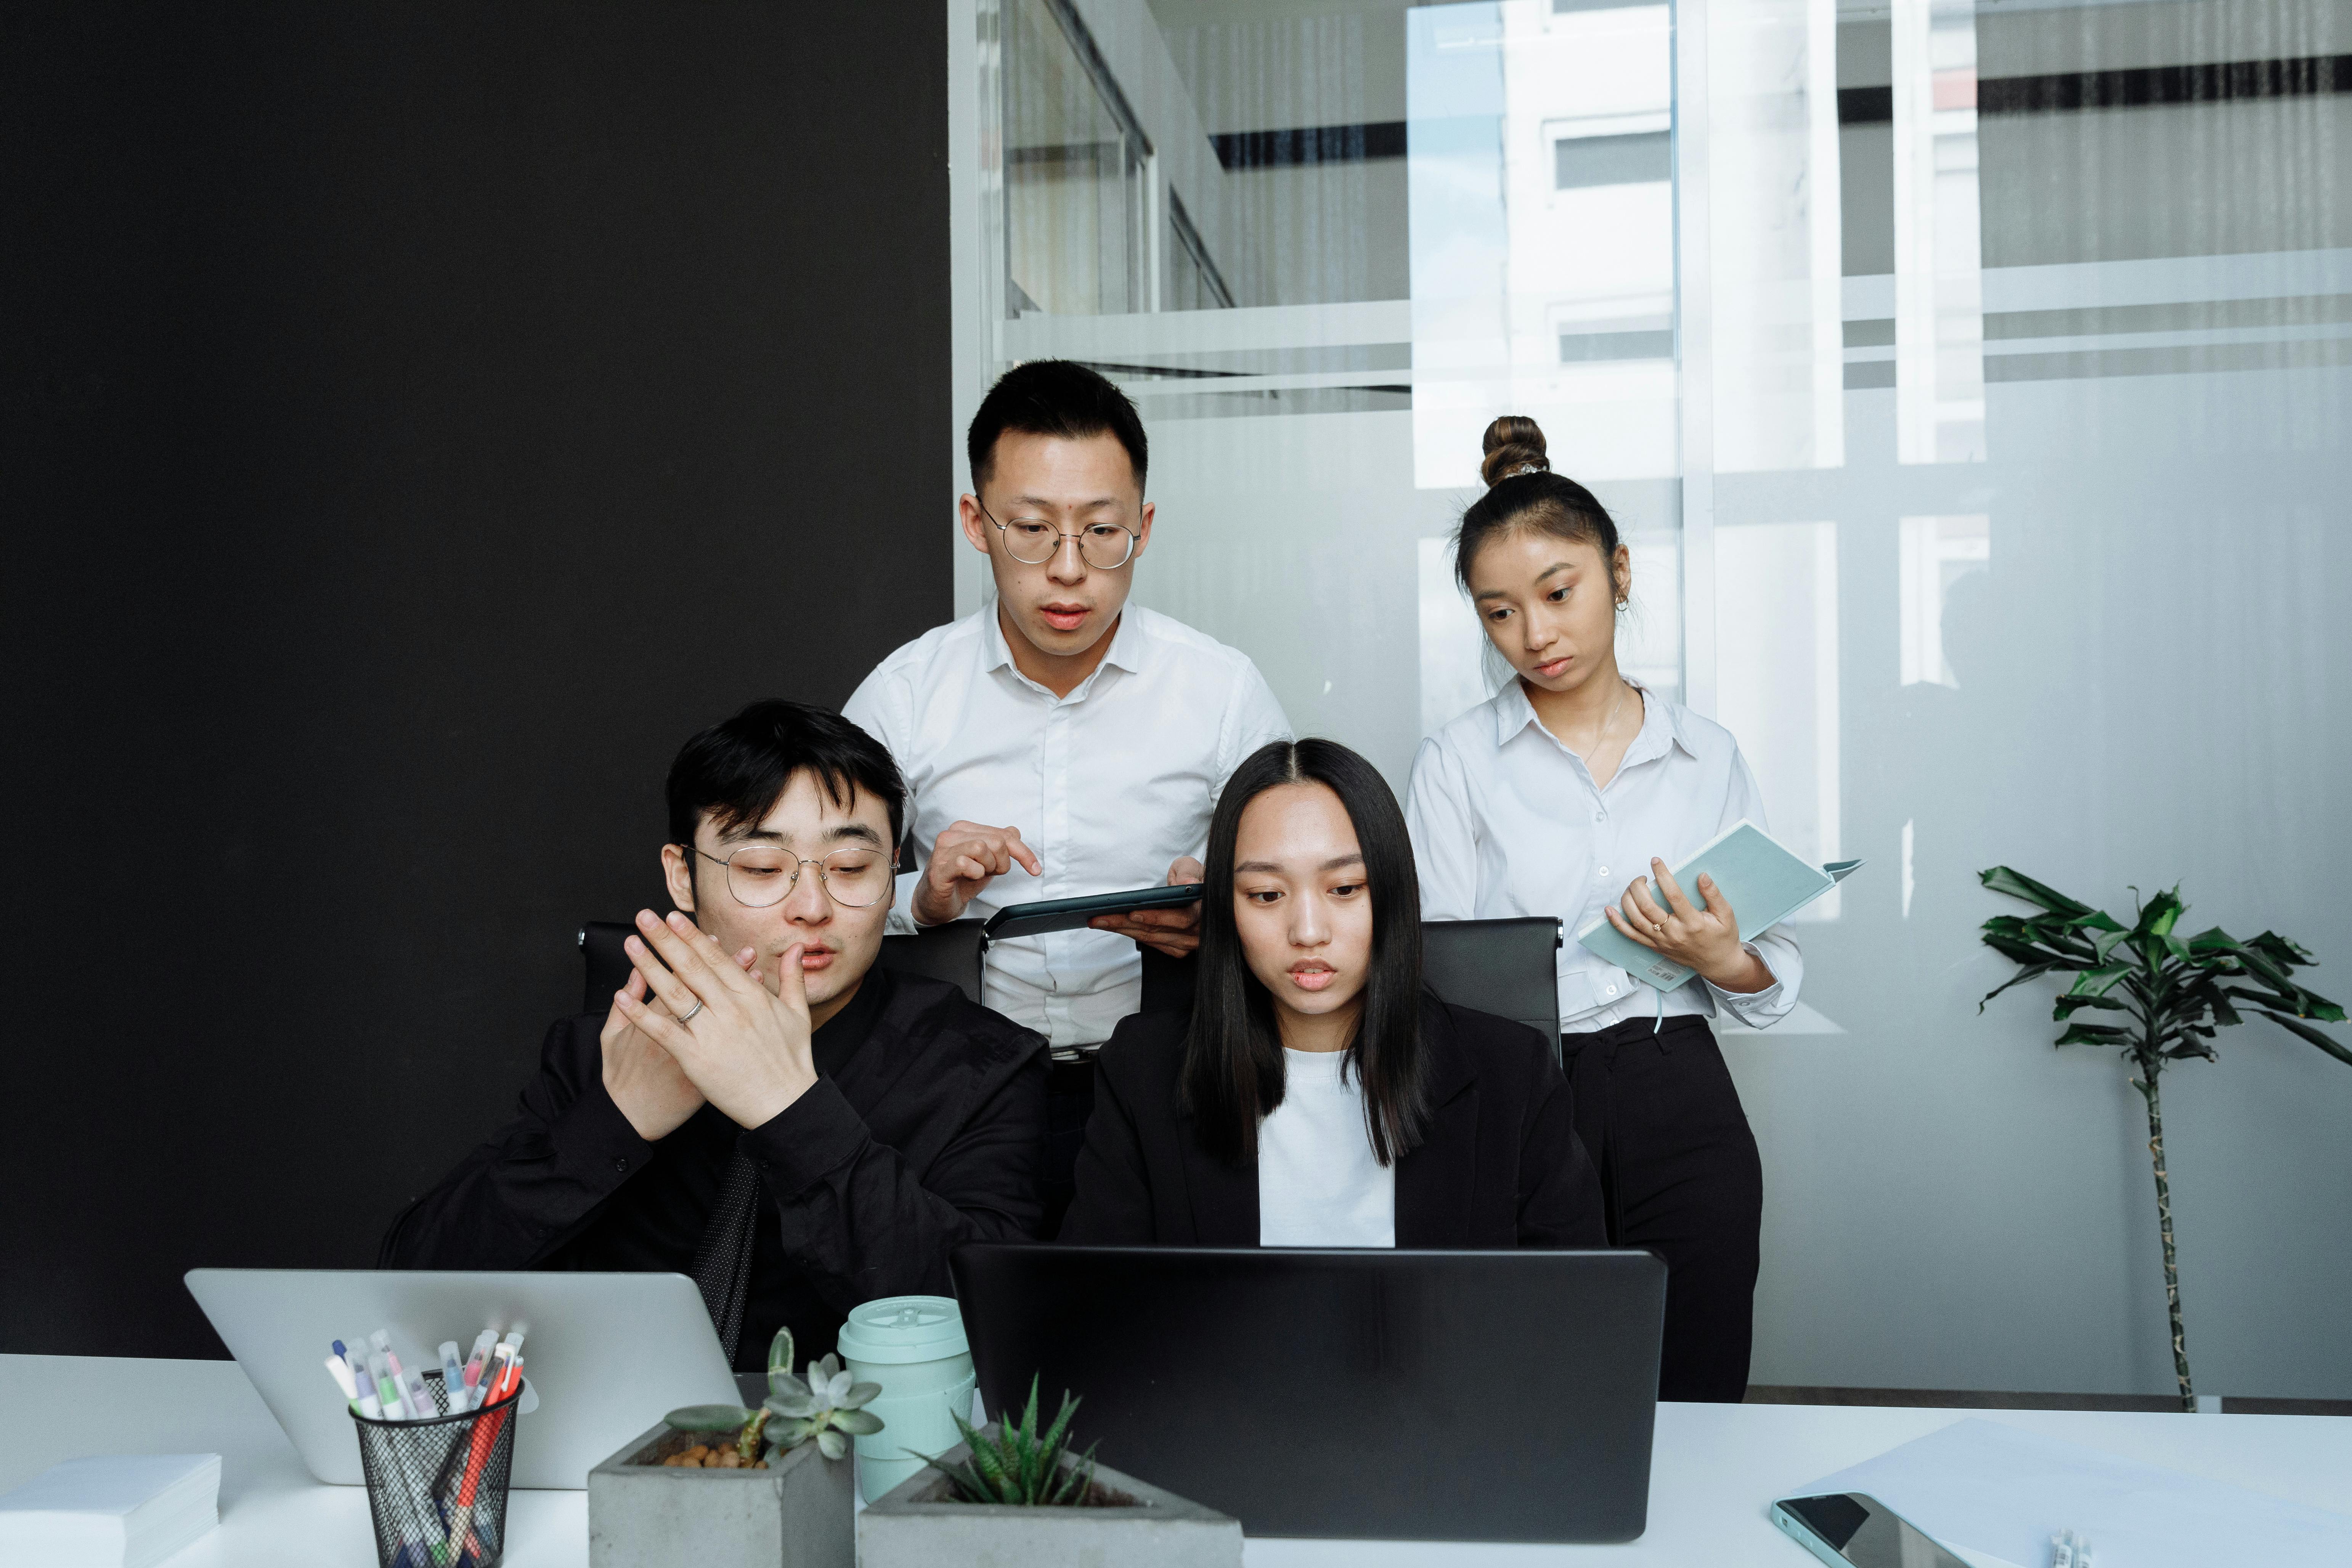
(825, 1407)
(1019, 1465)
(2176, 993)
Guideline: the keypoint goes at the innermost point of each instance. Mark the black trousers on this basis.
(1680, 1175)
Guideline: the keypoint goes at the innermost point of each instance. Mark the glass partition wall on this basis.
(1972, 382)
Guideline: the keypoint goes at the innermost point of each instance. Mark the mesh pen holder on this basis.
(438, 1488)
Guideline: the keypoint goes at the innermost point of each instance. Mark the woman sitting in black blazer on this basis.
(1315, 1095)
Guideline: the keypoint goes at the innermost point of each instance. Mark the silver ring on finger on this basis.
(688, 1016)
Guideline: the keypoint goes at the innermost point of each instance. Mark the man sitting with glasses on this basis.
(1062, 741)
(761, 1107)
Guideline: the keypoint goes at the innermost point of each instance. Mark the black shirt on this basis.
(921, 1131)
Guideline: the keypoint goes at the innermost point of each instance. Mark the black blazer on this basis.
(1499, 1163)
(924, 1136)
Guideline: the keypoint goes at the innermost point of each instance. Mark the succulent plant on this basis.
(1020, 1466)
(825, 1407)
(748, 1425)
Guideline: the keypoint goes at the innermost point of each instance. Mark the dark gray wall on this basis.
(417, 421)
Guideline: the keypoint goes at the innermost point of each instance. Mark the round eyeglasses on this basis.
(760, 875)
(1105, 546)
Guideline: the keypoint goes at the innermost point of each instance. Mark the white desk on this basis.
(1717, 1468)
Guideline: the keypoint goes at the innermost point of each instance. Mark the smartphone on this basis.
(1851, 1529)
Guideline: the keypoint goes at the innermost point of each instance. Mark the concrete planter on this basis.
(798, 1514)
(917, 1526)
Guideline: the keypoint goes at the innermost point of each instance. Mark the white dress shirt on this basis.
(1318, 1183)
(1505, 822)
(1109, 785)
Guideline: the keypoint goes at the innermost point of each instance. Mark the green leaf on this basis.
(780, 1355)
(2019, 978)
(2030, 944)
(832, 1443)
(2268, 970)
(709, 1418)
(2069, 1004)
(965, 1484)
(2297, 1026)
(2214, 940)
(2001, 879)
(859, 1394)
(857, 1422)
(2104, 945)
(798, 1404)
(2099, 981)
(2159, 914)
(2279, 951)
(990, 1463)
(2093, 1034)
(1056, 1434)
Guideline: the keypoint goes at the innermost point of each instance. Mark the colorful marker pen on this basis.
(453, 1376)
(387, 1389)
(484, 1343)
(342, 1373)
(355, 1383)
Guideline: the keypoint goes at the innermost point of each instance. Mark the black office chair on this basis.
(949, 952)
(1505, 967)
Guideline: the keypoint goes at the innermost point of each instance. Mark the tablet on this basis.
(1070, 914)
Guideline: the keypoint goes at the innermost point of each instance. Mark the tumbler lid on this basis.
(902, 1328)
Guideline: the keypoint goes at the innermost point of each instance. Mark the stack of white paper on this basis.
(1996, 1493)
(122, 1511)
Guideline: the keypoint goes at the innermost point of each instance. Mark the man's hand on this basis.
(967, 857)
(745, 1050)
(645, 1080)
(1176, 933)
(1706, 940)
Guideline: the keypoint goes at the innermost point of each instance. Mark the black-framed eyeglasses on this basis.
(762, 875)
(1105, 546)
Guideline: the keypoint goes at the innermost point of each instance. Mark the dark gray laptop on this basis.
(1342, 1394)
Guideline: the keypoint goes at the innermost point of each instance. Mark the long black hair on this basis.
(1232, 1056)
(1523, 493)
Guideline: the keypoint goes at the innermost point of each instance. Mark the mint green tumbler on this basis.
(914, 1346)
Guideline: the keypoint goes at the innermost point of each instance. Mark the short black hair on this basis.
(737, 770)
(1054, 398)
(1233, 1075)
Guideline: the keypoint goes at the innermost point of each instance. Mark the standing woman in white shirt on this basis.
(1558, 797)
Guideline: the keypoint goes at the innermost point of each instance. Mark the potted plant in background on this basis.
(724, 1485)
(1014, 1494)
(2174, 993)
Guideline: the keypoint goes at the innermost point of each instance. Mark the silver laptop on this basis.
(605, 1355)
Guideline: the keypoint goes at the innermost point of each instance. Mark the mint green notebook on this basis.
(1764, 880)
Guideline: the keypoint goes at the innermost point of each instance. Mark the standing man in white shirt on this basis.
(1061, 741)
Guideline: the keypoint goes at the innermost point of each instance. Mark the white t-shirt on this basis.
(1318, 1184)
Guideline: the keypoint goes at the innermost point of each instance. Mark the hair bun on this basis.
(1513, 443)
